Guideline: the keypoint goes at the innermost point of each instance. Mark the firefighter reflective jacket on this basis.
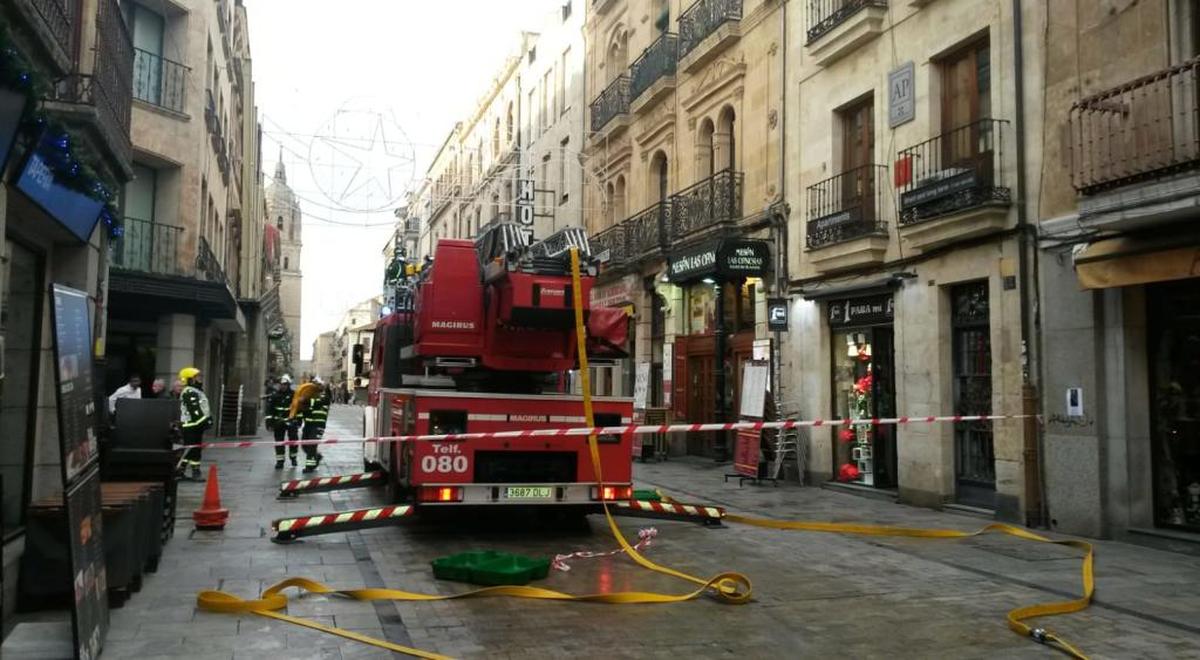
(316, 413)
(278, 405)
(193, 409)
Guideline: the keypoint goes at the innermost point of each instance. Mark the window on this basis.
(858, 152)
(560, 82)
(566, 11)
(20, 324)
(140, 193)
(966, 86)
(563, 187)
(543, 112)
(286, 266)
(529, 125)
(147, 28)
(532, 54)
(279, 223)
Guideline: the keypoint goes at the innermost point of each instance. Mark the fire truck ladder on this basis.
(287, 530)
(297, 487)
(709, 516)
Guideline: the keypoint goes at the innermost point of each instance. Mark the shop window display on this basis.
(863, 389)
(1174, 345)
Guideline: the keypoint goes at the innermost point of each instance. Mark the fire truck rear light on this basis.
(440, 494)
(612, 493)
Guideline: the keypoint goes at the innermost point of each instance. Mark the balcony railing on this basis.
(61, 18)
(655, 63)
(107, 86)
(159, 81)
(847, 206)
(704, 18)
(613, 101)
(955, 171)
(148, 247)
(824, 15)
(714, 201)
(208, 267)
(647, 230)
(1145, 128)
(613, 240)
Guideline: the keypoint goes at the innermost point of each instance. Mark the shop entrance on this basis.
(1174, 356)
(974, 454)
(863, 388)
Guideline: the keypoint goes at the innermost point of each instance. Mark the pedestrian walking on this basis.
(194, 418)
(280, 422)
(130, 390)
(316, 415)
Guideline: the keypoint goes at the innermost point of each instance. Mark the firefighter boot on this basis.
(196, 476)
(279, 464)
(293, 457)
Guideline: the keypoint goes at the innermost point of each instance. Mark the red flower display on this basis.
(848, 472)
(863, 386)
(847, 435)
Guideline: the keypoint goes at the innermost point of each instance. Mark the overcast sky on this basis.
(358, 94)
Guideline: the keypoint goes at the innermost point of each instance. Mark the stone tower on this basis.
(284, 211)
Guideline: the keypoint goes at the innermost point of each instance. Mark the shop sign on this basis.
(729, 259)
(943, 184)
(777, 314)
(76, 211)
(867, 310)
(614, 294)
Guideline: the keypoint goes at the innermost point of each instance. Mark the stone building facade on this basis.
(1120, 285)
(685, 148)
(905, 264)
(283, 213)
(82, 55)
(187, 274)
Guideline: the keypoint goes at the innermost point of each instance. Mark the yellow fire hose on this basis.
(727, 587)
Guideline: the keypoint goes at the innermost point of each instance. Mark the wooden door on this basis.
(701, 398)
(858, 152)
(966, 101)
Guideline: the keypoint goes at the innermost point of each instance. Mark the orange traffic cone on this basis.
(210, 515)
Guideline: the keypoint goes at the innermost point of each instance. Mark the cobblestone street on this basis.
(815, 594)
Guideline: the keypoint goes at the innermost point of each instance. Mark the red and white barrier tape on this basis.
(633, 429)
(645, 538)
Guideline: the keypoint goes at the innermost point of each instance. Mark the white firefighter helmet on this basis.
(285, 380)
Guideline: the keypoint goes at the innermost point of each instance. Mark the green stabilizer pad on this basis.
(647, 495)
(490, 568)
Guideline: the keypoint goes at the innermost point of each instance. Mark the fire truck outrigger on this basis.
(484, 339)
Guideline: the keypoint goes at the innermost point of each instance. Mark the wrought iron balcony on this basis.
(848, 206)
(61, 20)
(1146, 128)
(106, 85)
(208, 267)
(159, 81)
(955, 171)
(654, 64)
(710, 203)
(647, 230)
(825, 15)
(613, 240)
(704, 18)
(148, 247)
(612, 103)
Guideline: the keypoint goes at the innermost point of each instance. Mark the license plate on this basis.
(529, 492)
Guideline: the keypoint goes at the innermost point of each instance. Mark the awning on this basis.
(1131, 260)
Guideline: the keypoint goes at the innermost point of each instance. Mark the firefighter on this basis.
(280, 422)
(316, 415)
(194, 418)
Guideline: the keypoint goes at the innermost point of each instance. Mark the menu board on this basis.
(754, 388)
(73, 375)
(89, 613)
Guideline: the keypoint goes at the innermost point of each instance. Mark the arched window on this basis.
(609, 205)
(724, 144)
(279, 223)
(509, 124)
(704, 150)
(496, 140)
(618, 55)
(619, 199)
(660, 177)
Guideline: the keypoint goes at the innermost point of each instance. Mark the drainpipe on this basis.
(779, 214)
(1033, 445)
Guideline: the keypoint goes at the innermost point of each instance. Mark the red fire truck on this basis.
(484, 339)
